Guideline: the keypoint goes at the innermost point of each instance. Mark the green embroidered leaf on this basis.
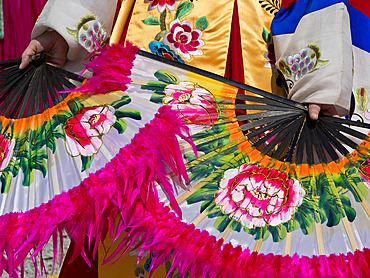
(284, 68)
(202, 24)
(120, 125)
(166, 76)
(6, 180)
(322, 62)
(128, 113)
(362, 97)
(157, 97)
(266, 36)
(160, 35)
(121, 102)
(183, 9)
(86, 162)
(84, 20)
(315, 47)
(151, 20)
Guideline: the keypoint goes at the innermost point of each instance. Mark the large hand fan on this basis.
(263, 178)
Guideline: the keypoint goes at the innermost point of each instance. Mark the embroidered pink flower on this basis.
(196, 104)
(161, 4)
(85, 130)
(257, 197)
(183, 39)
(6, 151)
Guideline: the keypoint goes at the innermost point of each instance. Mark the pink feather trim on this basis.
(111, 68)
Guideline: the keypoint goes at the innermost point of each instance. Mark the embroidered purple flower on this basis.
(257, 196)
(161, 49)
(6, 151)
(161, 4)
(183, 39)
(196, 104)
(85, 130)
(270, 57)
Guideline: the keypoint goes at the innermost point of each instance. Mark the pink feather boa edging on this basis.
(125, 188)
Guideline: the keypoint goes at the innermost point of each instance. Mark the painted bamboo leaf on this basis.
(128, 113)
(121, 102)
(155, 86)
(278, 232)
(350, 211)
(40, 165)
(157, 97)
(6, 180)
(201, 195)
(207, 205)
(166, 76)
(86, 162)
(120, 125)
(222, 222)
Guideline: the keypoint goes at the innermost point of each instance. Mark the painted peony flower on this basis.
(257, 196)
(161, 4)
(85, 130)
(6, 151)
(183, 39)
(196, 104)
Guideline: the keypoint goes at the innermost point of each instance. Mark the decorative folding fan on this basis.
(263, 177)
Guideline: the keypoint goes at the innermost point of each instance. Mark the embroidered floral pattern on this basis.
(299, 64)
(270, 54)
(257, 197)
(184, 39)
(161, 4)
(85, 130)
(161, 49)
(196, 104)
(182, 36)
(362, 98)
(89, 33)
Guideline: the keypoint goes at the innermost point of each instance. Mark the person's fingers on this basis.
(329, 110)
(314, 111)
(33, 48)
